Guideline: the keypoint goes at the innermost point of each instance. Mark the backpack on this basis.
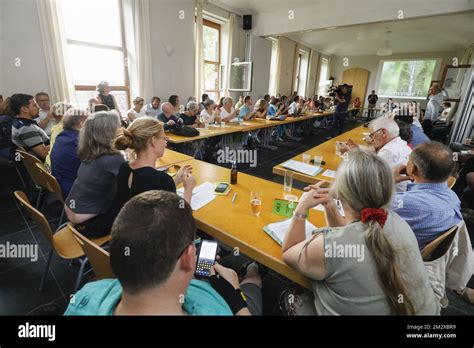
(185, 131)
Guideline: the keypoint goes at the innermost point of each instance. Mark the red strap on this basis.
(374, 214)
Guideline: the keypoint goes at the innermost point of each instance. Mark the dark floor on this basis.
(20, 278)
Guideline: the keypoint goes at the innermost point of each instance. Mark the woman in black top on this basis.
(147, 138)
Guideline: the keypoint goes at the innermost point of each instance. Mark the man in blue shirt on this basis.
(343, 98)
(429, 206)
(153, 255)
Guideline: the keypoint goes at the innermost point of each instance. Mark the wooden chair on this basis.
(438, 247)
(49, 183)
(29, 162)
(97, 256)
(62, 241)
(451, 181)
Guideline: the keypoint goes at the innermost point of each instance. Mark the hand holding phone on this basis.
(206, 259)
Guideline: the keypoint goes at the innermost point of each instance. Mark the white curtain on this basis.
(278, 67)
(54, 44)
(229, 54)
(199, 53)
(143, 63)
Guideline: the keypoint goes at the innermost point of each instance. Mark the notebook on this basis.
(302, 167)
(278, 230)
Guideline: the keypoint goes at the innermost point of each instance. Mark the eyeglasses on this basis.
(371, 135)
(194, 242)
(166, 138)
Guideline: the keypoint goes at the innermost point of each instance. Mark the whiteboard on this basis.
(241, 77)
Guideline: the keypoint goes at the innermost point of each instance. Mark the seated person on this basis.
(276, 111)
(388, 264)
(158, 280)
(153, 109)
(210, 113)
(228, 113)
(246, 113)
(261, 109)
(46, 119)
(429, 206)
(405, 132)
(146, 137)
(25, 131)
(58, 110)
(443, 118)
(64, 159)
(7, 147)
(295, 109)
(356, 104)
(89, 200)
(467, 145)
(418, 137)
(174, 101)
(386, 141)
(240, 103)
(167, 116)
(189, 117)
(137, 111)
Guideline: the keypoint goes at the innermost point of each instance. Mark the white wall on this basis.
(172, 74)
(372, 64)
(20, 37)
(261, 55)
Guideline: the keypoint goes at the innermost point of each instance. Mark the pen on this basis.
(234, 196)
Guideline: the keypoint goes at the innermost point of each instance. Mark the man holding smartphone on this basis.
(155, 261)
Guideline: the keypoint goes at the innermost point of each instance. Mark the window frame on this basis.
(217, 64)
(122, 48)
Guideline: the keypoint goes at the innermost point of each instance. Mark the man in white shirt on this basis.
(153, 109)
(46, 119)
(228, 113)
(385, 139)
(294, 107)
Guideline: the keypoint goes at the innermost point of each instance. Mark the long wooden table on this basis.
(234, 224)
(247, 126)
(327, 151)
(171, 157)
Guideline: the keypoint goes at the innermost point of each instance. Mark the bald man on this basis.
(167, 116)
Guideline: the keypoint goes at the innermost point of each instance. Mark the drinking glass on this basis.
(256, 202)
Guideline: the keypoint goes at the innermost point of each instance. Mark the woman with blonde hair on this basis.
(146, 138)
(367, 263)
(90, 199)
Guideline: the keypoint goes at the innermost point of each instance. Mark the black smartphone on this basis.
(221, 187)
(206, 259)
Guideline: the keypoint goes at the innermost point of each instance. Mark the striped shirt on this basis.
(429, 208)
(28, 134)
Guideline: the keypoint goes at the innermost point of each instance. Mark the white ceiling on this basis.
(430, 34)
(439, 33)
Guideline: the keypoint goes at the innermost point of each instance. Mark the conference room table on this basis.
(246, 126)
(327, 151)
(233, 224)
(170, 158)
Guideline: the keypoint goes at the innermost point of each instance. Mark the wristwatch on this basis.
(299, 215)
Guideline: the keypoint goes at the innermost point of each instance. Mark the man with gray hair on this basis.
(228, 113)
(385, 138)
(167, 116)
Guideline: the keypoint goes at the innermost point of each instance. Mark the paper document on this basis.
(329, 173)
(302, 167)
(278, 230)
(202, 195)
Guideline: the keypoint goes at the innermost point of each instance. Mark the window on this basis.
(273, 67)
(302, 72)
(406, 78)
(212, 49)
(323, 77)
(96, 49)
(298, 70)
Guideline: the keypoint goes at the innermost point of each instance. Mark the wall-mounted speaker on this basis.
(247, 22)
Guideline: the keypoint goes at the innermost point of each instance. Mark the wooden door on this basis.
(359, 79)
